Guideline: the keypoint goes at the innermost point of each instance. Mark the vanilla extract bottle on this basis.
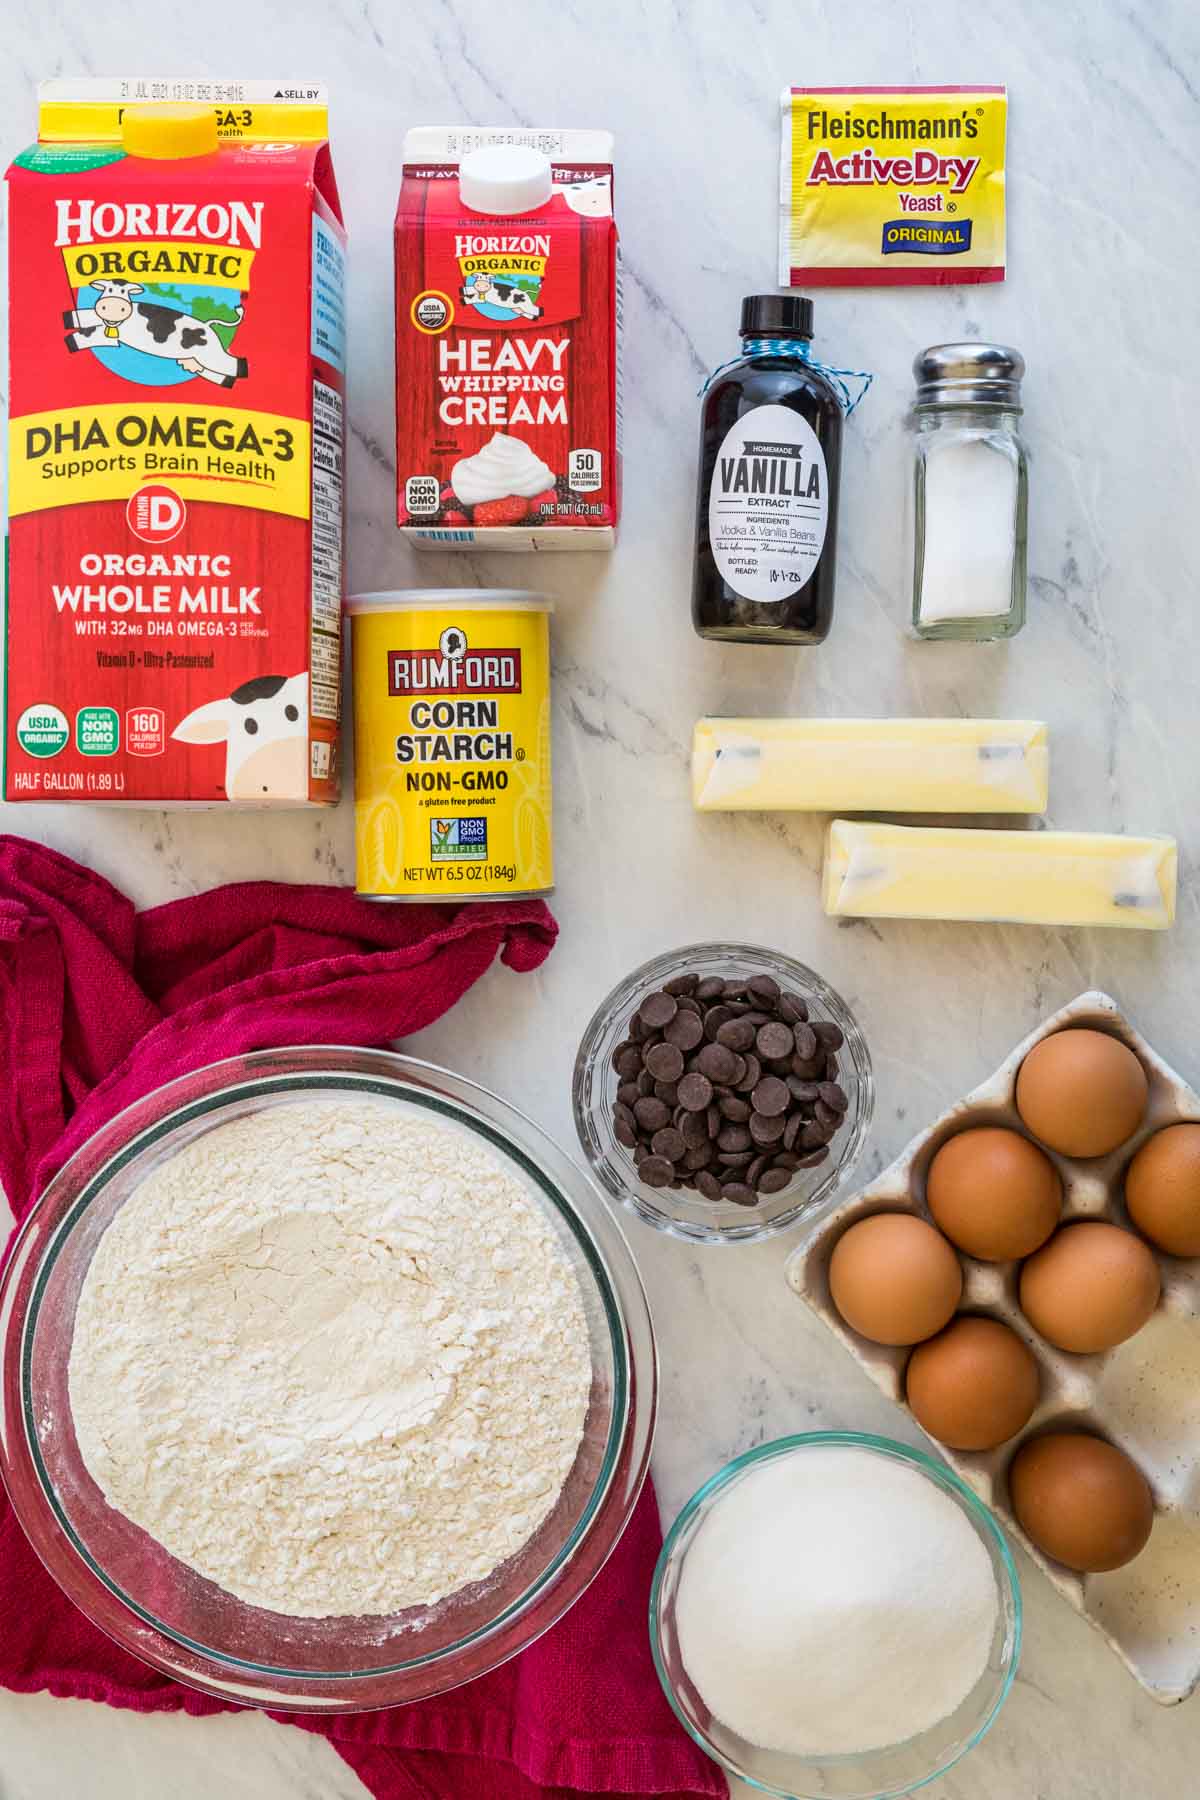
(770, 466)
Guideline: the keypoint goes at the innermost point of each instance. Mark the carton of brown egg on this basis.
(1143, 1396)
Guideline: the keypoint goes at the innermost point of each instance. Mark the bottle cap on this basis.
(776, 315)
(969, 375)
(169, 132)
(504, 179)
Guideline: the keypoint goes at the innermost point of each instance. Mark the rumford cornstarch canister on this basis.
(452, 744)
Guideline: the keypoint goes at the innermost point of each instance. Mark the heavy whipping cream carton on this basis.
(507, 324)
(175, 448)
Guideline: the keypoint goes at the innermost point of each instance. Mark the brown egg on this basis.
(994, 1194)
(894, 1279)
(1092, 1286)
(1082, 1092)
(1081, 1500)
(1162, 1189)
(974, 1385)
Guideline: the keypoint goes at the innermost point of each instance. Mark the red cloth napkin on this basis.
(99, 1005)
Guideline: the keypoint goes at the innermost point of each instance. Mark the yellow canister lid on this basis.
(170, 131)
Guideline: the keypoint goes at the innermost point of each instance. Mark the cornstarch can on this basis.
(452, 744)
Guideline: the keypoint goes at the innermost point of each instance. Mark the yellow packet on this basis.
(891, 186)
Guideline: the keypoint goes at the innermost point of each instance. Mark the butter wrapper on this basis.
(892, 186)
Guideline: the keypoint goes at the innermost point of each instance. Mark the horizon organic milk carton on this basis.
(507, 326)
(175, 448)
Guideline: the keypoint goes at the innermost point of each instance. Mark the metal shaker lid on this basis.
(969, 375)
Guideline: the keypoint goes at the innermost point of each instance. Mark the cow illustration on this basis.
(154, 330)
(264, 726)
(502, 297)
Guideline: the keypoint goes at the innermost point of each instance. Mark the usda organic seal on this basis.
(43, 730)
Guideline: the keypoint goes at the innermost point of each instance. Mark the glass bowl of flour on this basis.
(329, 1381)
(836, 1615)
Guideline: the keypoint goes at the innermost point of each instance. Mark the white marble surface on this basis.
(1101, 297)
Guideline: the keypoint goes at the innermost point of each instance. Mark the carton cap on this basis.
(170, 131)
(504, 179)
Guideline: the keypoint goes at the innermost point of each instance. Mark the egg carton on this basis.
(1144, 1395)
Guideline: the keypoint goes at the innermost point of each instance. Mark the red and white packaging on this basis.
(507, 328)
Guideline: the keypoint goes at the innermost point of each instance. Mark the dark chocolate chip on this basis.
(667, 1092)
(718, 1062)
(735, 989)
(764, 988)
(754, 1170)
(805, 1041)
(658, 1010)
(695, 1092)
(751, 1074)
(685, 1031)
(708, 1185)
(681, 984)
(792, 1130)
(628, 1092)
(669, 1143)
(656, 1171)
(814, 1157)
(774, 1041)
(734, 1137)
(687, 1004)
(829, 1034)
(734, 1108)
(771, 1096)
(835, 1097)
(626, 1132)
(785, 1159)
(645, 1083)
(665, 1062)
(698, 1157)
(652, 1114)
(714, 1018)
(825, 1115)
(715, 1121)
(736, 1034)
(792, 1009)
(812, 1137)
(627, 1061)
(773, 1181)
(767, 1128)
(710, 987)
(739, 1193)
(809, 1068)
(735, 1159)
(805, 1092)
(694, 1127)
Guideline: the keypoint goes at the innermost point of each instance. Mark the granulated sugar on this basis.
(834, 1602)
(333, 1357)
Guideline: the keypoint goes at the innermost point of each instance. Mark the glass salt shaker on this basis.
(970, 492)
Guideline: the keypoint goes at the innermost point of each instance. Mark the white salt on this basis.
(834, 1602)
(970, 531)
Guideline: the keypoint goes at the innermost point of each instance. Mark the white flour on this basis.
(333, 1357)
(834, 1602)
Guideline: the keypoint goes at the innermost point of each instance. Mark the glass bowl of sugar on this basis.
(835, 1615)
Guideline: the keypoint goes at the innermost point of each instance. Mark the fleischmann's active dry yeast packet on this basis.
(175, 256)
(891, 186)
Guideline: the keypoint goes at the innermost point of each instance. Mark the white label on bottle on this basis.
(768, 505)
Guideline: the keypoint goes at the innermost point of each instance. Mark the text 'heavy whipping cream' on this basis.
(507, 321)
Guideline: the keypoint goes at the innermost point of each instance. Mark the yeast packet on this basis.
(891, 186)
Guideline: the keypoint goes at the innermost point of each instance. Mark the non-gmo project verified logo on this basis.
(457, 840)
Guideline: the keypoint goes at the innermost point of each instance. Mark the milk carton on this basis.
(507, 323)
(175, 449)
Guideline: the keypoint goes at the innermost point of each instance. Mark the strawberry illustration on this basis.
(539, 501)
(509, 511)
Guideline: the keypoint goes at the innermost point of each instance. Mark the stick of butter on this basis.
(1018, 877)
(870, 765)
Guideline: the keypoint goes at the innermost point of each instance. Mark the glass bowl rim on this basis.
(933, 1469)
(307, 1069)
(755, 1228)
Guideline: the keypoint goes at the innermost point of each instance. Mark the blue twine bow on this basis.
(800, 349)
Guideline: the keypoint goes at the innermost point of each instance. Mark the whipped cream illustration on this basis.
(504, 466)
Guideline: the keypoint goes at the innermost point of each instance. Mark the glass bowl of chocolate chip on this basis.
(723, 1092)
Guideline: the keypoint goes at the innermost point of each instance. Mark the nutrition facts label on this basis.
(326, 551)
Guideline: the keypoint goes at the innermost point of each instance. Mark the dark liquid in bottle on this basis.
(771, 492)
